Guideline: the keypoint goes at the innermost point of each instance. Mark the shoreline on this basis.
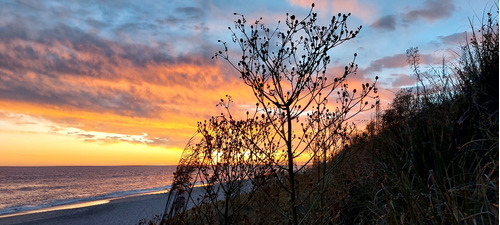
(128, 209)
(78, 204)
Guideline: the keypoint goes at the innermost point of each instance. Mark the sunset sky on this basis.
(125, 82)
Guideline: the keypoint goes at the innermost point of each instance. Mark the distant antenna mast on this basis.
(377, 116)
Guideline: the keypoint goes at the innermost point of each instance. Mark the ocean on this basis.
(25, 189)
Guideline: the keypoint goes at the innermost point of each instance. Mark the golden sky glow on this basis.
(62, 150)
(125, 84)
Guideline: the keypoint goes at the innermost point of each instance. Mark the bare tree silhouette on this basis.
(287, 72)
(301, 111)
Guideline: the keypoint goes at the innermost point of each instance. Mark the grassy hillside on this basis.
(434, 159)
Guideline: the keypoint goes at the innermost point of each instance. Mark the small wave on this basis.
(131, 192)
(26, 189)
(30, 187)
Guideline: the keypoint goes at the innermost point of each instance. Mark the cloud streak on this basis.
(27, 123)
(431, 11)
(388, 62)
(387, 22)
(360, 9)
(399, 61)
(454, 39)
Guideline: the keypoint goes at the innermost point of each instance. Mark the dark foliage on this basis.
(436, 156)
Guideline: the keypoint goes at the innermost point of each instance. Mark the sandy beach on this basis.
(127, 210)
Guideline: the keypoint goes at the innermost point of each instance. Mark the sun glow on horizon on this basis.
(58, 150)
(28, 142)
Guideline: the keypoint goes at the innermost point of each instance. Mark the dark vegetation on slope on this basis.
(432, 158)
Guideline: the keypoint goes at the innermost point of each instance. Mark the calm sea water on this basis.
(31, 188)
